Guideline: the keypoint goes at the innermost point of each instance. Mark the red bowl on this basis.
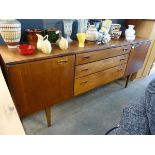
(26, 49)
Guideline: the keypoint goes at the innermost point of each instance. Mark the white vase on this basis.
(82, 25)
(130, 33)
(68, 28)
(10, 30)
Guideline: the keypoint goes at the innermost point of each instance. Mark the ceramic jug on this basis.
(92, 33)
(43, 44)
(62, 43)
(46, 45)
(39, 42)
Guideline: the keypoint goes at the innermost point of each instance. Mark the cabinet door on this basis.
(37, 85)
(137, 57)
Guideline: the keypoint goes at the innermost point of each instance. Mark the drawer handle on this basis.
(84, 70)
(125, 49)
(62, 61)
(122, 59)
(86, 57)
(82, 83)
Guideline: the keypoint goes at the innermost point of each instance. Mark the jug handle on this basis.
(46, 37)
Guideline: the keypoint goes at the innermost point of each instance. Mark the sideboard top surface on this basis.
(11, 56)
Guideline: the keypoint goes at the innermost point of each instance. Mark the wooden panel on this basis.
(137, 57)
(9, 119)
(86, 69)
(102, 54)
(89, 82)
(36, 85)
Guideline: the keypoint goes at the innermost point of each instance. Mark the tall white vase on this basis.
(82, 25)
(68, 28)
(130, 33)
(10, 30)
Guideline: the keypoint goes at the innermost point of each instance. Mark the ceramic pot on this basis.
(31, 35)
(53, 34)
(68, 28)
(10, 30)
(92, 33)
(130, 33)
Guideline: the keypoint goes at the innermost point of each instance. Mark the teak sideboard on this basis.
(39, 81)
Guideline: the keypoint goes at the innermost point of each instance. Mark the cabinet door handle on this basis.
(84, 70)
(84, 82)
(86, 57)
(62, 61)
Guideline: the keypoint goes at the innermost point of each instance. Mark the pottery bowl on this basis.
(115, 27)
(116, 34)
(26, 49)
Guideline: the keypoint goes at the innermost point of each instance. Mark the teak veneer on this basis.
(39, 81)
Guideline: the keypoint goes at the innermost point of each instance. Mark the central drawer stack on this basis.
(99, 67)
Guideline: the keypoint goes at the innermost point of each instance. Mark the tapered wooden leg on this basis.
(127, 80)
(48, 116)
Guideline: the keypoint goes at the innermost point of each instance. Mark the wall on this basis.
(48, 23)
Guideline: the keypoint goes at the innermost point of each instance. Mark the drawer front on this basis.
(89, 82)
(93, 67)
(102, 54)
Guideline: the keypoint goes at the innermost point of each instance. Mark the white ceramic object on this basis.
(130, 33)
(68, 29)
(130, 38)
(39, 42)
(62, 43)
(43, 44)
(92, 33)
(46, 47)
(10, 30)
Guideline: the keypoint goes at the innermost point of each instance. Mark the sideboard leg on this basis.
(48, 116)
(127, 80)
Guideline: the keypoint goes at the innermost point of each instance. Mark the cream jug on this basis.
(43, 44)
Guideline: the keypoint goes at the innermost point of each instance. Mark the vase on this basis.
(68, 29)
(53, 34)
(10, 30)
(130, 33)
(81, 38)
(82, 25)
(31, 35)
(92, 33)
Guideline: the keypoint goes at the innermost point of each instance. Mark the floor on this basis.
(92, 113)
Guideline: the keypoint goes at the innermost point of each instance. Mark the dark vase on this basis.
(31, 35)
(53, 34)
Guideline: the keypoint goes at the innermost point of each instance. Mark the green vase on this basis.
(53, 34)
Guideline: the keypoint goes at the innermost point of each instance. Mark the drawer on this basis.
(101, 54)
(89, 82)
(93, 67)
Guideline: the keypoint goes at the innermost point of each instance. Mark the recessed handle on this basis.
(62, 61)
(86, 57)
(84, 70)
(84, 82)
(125, 49)
(122, 59)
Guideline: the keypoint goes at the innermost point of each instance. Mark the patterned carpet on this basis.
(92, 113)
